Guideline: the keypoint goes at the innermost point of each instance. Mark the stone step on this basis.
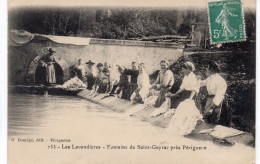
(203, 131)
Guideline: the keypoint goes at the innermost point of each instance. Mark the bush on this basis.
(238, 110)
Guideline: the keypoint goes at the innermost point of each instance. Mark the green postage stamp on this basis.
(226, 21)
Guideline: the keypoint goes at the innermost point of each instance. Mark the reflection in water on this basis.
(38, 115)
(27, 114)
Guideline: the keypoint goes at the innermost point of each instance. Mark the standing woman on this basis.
(143, 82)
(50, 69)
(163, 83)
(216, 86)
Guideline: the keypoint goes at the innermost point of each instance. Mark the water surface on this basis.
(86, 123)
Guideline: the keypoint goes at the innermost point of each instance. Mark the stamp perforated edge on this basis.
(243, 16)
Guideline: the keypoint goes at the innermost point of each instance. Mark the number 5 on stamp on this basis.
(226, 21)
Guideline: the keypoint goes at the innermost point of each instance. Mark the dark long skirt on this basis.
(40, 75)
(161, 98)
(175, 101)
(90, 81)
(132, 87)
(103, 85)
(125, 93)
(214, 115)
(58, 73)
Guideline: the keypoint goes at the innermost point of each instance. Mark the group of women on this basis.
(134, 84)
(184, 104)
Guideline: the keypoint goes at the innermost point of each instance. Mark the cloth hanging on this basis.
(19, 37)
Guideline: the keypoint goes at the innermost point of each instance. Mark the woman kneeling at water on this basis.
(187, 113)
(101, 81)
(141, 93)
(163, 83)
(189, 87)
(216, 87)
(79, 70)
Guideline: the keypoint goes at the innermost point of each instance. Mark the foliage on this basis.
(111, 23)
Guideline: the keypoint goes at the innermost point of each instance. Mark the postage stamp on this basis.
(226, 21)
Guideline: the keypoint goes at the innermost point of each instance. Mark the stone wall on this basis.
(23, 59)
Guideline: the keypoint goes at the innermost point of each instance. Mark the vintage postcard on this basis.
(123, 82)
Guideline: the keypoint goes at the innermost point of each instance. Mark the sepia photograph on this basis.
(125, 82)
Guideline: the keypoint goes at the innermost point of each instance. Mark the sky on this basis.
(119, 3)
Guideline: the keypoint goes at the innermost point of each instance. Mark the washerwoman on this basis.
(216, 87)
(143, 82)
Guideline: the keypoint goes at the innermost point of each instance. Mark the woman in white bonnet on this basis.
(187, 113)
(189, 87)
